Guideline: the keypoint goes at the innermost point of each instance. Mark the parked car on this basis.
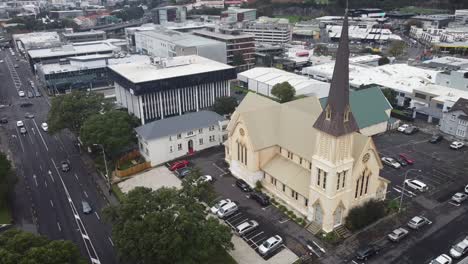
(246, 227)
(23, 130)
(243, 185)
(436, 139)
(457, 145)
(411, 130)
(183, 172)
(460, 249)
(416, 185)
(28, 115)
(402, 127)
(205, 178)
(401, 160)
(417, 222)
(65, 166)
(214, 209)
(459, 197)
(261, 198)
(407, 158)
(442, 259)
(367, 252)
(391, 162)
(21, 93)
(86, 207)
(30, 95)
(227, 210)
(26, 104)
(466, 188)
(178, 165)
(398, 234)
(19, 123)
(4, 120)
(270, 244)
(45, 127)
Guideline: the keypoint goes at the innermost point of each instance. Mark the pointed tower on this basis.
(332, 161)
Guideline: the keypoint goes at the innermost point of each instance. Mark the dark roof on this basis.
(368, 106)
(460, 105)
(463, 117)
(338, 97)
(178, 124)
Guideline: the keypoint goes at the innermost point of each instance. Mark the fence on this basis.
(133, 169)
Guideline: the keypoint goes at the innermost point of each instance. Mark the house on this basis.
(310, 158)
(455, 121)
(167, 139)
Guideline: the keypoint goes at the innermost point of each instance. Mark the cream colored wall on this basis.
(374, 129)
(265, 155)
(296, 158)
(252, 157)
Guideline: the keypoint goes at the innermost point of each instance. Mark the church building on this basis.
(312, 159)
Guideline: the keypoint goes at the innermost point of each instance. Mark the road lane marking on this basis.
(19, 137)
(284, 221)
(40, 134)
(52, 177)
(51, 203)
(110, 240)
(76, 176)
(59, 228)
(85, 194)
(99, 218)
(45, 182)
(35, 179)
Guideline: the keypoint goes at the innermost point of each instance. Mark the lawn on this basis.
(118, 193)
(5, 216)
(222, 257)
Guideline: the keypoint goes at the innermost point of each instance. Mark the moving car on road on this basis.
(246, 227)
(270, 244)
(243, 185)
(459, 197)
(391, 162)
(457, 145)
(367, 252)
(178, 165)
(416, 185)
(19, 123)
(86, 207)
(261, 198)
(23, 130)
(45, 127)
(21, 93)
(442, 259)
(214, 209)
(436, 139)
(29, 115)
(398, 234)
(65, 166)
(418, 221)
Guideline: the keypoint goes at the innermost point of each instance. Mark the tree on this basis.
(113, 129)
(390, 95)
(238, 59)
(7, 180)
(383, 61)
(19, 247)
(363, 215)
(225, 105)
(284, 92)
(320, 50)
(412, 22)
(397, 48)
(166, 226)
(71, 110)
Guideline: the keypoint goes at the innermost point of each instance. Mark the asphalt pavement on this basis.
(47, 200)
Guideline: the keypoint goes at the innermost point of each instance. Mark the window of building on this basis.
(179, 146)
(290, 155)
(338, 178)
(190, 133)
(453, 117)
(344, 179)
(212, 138)
(300, 161)
(319, 172)
(440, 106)
(200, 141)
(367, 184)
(212, 128)
(420, 96)
(284, 187)
(461, 132)
(273, 181)
(324, 180)
(306, 202)
(310, 165)
(462, 122)
(171, 149)
(200, 130)
(179, 136)
(328, 113)
(281, 149)
(293, 193)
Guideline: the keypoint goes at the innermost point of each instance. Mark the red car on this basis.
(178, 164)
(406, 158)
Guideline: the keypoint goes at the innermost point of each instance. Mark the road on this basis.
(46, 199)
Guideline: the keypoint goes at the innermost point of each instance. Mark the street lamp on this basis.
(105, 163)
(404, 184)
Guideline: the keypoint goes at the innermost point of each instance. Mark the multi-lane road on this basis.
(46, 199)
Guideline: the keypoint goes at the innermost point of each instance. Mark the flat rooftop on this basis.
(86, 33)
(183, 66)
(179, 38)
(37, 37)
(452, 61)
(73, 49)
(219, 35)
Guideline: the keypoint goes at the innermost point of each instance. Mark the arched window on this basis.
(328, 113)
(346, 114)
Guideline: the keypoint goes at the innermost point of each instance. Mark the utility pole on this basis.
(105, 165)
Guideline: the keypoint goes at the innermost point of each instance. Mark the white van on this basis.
(227, 210)
(416, 185)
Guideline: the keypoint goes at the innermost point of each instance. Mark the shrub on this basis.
(393, 206)
(258, 186)
(365, 214)
(273, 201)
(330, 237)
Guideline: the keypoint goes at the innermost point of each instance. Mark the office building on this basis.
(86, 36)
(269, 30)
(162, 15)
(235, 14)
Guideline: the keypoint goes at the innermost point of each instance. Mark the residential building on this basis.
(455, 120)
(86, 36)
(162, 15)
(235, 14)
(269, 30)
(172, 86)
(167, 139)
(457, 79)
(313, 160)
(461, 16)
(169, 43)
(240, 48)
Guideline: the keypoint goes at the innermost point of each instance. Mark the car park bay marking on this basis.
(284, 221)
(454, 204)
(266, 207)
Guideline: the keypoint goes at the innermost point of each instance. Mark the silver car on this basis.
(270, 244)
(398, 234)
(459, 197)
(418, 221)
(391, 162)
(246, 227)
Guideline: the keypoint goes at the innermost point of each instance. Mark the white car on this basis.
(442, 259)
(19, 123)
(45, 127)
(246, 227)
(418, 221)
(21, 93)
(205, 178)
(459, 197)
(402, 128)
(270, 244)
(416, 185)
(459, 249)
(466, 188)
(391, 162)
(218, 205)
(398, 234)
(457, 145)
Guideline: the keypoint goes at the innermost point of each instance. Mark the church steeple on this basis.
(336, 118)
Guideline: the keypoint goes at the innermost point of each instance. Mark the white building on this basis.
(269, 30)
(36, 40)
(457, 79)
(461, 16)
(261, 80)
(363, 32)
(168, 139)
(169, 43)
(169, 87)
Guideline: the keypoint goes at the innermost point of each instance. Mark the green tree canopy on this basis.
(167, 226)
(113, 129)
(390, 95)
(238, 59)
(383, 61)
(412, 22)
(7, 180)
(284, 92)
(71, 110)
(19, 247)
(225, 105)
(320, 50)
(397, 48)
